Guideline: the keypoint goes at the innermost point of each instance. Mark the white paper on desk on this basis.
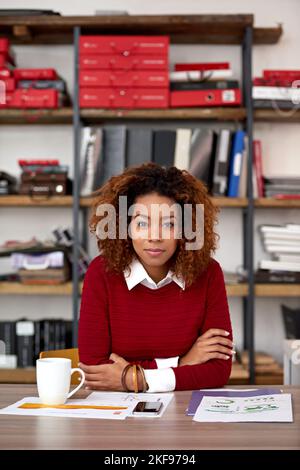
(263, 408)
(133, 398)
(121, 400)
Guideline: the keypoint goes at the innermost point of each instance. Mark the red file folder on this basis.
(229, 97)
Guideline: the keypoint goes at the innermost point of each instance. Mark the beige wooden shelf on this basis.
(66, 201)
(236, 290)
(15, 288)
(36, 116)
(271, 202)
(218, 114)
(277, 290)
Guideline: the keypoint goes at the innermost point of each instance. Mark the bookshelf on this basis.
(183, 29)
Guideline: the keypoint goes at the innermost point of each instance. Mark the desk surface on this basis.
(174, 430)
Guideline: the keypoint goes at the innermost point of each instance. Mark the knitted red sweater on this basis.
(143, 324)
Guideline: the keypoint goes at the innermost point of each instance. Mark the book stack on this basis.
(287, 187)
(124, 72)
(267, 369)
(277, 89)
(7, 81)
(204, 84)
(282, 242)
(216, 157)
(44, 178)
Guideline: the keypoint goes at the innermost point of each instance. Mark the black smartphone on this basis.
(147, 408)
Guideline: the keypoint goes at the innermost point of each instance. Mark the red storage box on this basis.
(114, 62)
(124, 45)
(129, 98)
(35, 74)
(207, 98)
(34, 99)
(139, 79)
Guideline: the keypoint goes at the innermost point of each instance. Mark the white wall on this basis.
(281, 143)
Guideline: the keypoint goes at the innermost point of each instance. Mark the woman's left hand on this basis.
(105, 376)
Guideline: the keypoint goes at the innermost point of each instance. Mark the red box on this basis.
(124, 45)
(34, 99)
(115, 62)
(103, 78)
(35, 74)
(128, 98)
(206, 98)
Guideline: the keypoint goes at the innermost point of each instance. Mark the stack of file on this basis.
(282, 242)
(204, 84)
(282, 187)
(277, 89)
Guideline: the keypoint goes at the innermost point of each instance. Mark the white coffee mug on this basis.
(53, 376)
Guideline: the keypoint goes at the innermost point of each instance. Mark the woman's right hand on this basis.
(213, 344)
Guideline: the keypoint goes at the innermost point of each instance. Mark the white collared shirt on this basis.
(161, 379)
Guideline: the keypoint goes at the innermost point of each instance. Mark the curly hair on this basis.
(171, 182)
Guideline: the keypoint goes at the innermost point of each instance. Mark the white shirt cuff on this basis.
(166, 363)
(160, 380)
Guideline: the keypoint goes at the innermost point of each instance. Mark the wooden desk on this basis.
(173, 431)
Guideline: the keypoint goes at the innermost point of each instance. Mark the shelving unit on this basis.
(182, 29)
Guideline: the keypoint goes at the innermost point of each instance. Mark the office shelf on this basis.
(36, 116)
(67, 201)
(182, 29)
(280, 203)
(15, 288)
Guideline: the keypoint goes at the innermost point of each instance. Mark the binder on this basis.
(228, 97)
(221, 165)
(164, 147)
(138, 139)
(236, 163)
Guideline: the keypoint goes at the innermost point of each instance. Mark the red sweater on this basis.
(143, 324)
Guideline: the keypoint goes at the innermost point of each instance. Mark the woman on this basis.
(153, 297)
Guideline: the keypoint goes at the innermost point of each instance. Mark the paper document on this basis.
(264, 408)
(98, 405)
(164, 398)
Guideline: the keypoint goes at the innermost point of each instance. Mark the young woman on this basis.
(152, 297)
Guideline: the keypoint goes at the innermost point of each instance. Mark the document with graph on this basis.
(264, 408)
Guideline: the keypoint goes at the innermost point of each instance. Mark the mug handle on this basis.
(81, 383)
